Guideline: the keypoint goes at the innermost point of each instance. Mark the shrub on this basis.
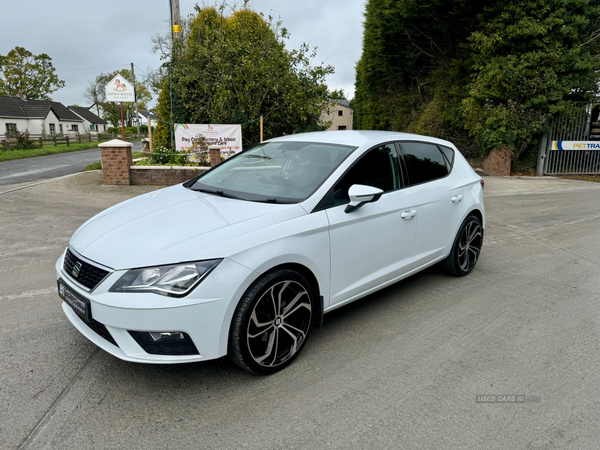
(21, 140)
(160, 155)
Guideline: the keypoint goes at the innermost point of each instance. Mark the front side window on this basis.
(275, 172)
(52, 128)
(60, 128)
(340, 112)
(74, 127)
(377, 168)
(425, 161)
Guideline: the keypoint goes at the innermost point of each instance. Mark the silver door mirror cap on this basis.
(360, 194)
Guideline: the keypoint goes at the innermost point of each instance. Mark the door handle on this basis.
(457, 198)
(408, 214)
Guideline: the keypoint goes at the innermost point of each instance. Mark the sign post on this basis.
(121, 91)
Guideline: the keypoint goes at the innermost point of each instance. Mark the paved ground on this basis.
(29, 170)
(399, 369)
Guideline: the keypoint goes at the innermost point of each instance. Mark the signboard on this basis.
(228, 137)
(575, 145)
(120, 90)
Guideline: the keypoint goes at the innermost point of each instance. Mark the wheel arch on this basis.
(312, 279)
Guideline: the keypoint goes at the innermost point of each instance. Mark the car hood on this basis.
(172, 225)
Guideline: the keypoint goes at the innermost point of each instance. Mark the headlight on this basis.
(175, 280)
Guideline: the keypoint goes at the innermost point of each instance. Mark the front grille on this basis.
(173, 348)
(87, 275)
(101, 330)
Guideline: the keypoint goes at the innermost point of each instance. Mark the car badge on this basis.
(76, 269)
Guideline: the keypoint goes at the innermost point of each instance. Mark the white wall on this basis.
(336, 120)
(34, 126)
(51, 118)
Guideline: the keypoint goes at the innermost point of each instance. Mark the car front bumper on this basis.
(204, 315)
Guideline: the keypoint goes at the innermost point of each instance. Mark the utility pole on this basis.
(175, 34)
(137, 114)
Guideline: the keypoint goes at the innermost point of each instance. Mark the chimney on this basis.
(22, 95)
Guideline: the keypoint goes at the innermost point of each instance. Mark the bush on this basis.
(129, 130)
(160, 155)
(20, 140)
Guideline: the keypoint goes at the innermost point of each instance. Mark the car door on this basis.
(374, 243)
(439, 192)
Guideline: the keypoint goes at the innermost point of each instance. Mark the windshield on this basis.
(277, 172)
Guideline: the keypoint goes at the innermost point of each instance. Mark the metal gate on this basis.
(571, 127)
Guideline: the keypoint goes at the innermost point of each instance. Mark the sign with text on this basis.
(575, 145)
(228, 137)
(120, 90)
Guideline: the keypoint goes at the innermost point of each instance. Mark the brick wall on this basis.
(164, 176)
(115, 165)
(498, 162)
(215, 156)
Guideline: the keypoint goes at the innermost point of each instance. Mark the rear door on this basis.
(439, 192)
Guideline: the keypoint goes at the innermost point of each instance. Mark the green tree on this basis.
(33, 75)
(414, 70)
(532, 60)
(233, 69)
(337, 94)
(482, 74)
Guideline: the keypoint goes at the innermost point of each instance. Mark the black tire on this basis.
(466, 248)
(272, 322)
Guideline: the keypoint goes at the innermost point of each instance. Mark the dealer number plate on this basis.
(78, 303)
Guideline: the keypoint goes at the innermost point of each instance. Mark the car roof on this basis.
(357, 138)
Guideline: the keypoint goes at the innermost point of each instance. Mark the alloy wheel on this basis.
(279, 323)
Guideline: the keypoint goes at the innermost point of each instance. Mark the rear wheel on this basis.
(466, 248)
(272, 322)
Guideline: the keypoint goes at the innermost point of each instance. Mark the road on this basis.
(402, 368)
(52, 166)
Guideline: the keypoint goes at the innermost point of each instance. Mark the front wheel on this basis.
(466, 248)
(272, 322)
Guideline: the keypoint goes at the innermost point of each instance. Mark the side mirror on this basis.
(360, 194)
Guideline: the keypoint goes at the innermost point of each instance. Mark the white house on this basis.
(38, 117)
(143, 117)
(91, 122)
(340, 115)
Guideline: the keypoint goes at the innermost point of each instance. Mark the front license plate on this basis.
(78, 303)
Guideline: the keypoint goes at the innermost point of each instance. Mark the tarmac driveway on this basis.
(403, 368)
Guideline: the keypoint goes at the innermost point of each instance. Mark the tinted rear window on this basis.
(425, 161)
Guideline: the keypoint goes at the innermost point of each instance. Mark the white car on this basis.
(245, 259)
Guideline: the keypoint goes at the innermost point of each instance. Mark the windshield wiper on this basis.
(219, 193)
(272, 200)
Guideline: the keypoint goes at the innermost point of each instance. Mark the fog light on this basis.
(167, 336)
(175, 343)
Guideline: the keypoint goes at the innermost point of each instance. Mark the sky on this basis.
(85, 38)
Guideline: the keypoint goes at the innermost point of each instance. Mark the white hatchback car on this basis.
(246, 258)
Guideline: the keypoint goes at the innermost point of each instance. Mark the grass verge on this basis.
(9, 155)
(594, 178)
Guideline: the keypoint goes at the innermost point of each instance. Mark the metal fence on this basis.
(568, 127)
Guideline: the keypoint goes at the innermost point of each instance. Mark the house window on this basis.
(340, 112)
(104, 127)
(341, 127)
(74, 127)
(52, 128)
(11, 128)
(96, 127)
(60, 128)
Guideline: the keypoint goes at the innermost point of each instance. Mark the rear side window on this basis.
(448, 153)
(425, 162)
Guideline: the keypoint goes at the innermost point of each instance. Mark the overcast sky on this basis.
(85, 38)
